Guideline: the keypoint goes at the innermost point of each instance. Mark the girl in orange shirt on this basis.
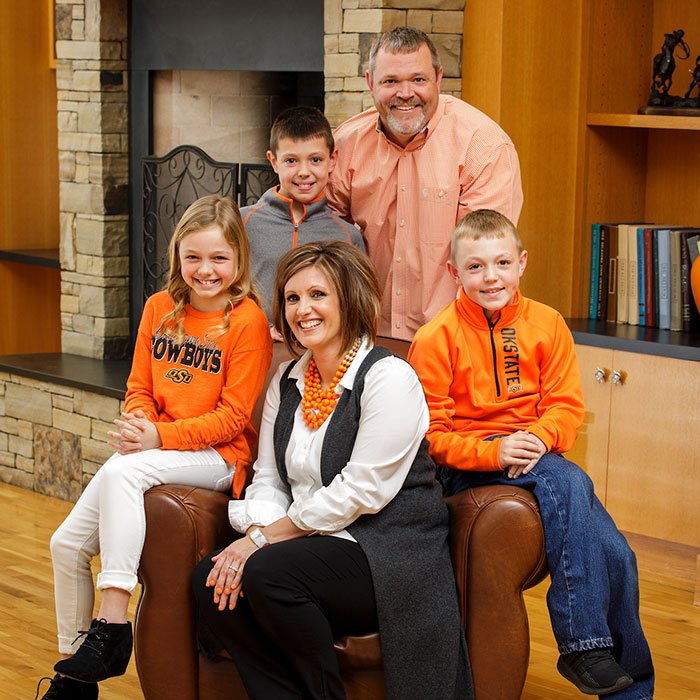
(201, 356)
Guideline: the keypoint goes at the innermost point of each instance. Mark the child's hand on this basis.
(276, 335)
(519, 452)
(136, 433)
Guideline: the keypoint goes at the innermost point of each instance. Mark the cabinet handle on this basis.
(601, 374)
(618, 377)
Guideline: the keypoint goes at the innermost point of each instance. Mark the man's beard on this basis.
(402, 127)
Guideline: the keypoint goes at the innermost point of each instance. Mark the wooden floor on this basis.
(27, 624)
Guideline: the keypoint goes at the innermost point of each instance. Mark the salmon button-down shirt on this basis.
(407, 201)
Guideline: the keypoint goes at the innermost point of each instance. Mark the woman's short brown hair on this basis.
(349, 272)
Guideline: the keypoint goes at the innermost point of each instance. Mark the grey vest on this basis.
(406, 544)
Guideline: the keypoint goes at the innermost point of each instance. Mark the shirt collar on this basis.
(284, 205)
(475, 314)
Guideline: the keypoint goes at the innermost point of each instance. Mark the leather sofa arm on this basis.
(183, 524)
(497, 546)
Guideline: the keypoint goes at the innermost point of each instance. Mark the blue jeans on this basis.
(593, 598)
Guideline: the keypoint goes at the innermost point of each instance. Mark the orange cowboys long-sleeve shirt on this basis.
(201, 393)
(484, 378)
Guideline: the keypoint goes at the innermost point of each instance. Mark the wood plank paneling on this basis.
(29, 209)
(653, 458)
(521, 66)
(590, 450)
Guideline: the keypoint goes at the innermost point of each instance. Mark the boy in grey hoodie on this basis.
(302, 153)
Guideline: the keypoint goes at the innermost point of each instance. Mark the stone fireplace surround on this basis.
(91, 74)
(53, 419)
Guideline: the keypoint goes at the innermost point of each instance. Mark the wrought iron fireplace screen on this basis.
(172, 182)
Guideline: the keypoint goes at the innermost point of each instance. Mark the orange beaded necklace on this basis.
(317, 405)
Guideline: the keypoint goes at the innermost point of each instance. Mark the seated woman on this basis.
(344, 494)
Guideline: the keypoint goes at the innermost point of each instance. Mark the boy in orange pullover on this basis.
(504, 393)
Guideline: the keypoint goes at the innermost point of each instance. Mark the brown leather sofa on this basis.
(497, 548)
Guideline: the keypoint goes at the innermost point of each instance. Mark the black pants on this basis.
(298, 597)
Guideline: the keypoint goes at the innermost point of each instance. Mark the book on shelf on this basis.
(593, 287)
(627, 274)
(675, 274)
(693, 248)
(662, 277)
(649, 286)
(632, 276)
(602, 273)
(654, 285)
(640, 275)
(688, 244)
(621, 315)
(611, 272)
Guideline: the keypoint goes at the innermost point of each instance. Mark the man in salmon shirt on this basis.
(409, 169)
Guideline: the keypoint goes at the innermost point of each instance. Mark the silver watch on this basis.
(258, 538)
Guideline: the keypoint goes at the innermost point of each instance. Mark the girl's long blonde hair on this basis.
(203, 213)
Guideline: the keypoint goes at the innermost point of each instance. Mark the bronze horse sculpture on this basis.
(664, 62)
(696, 77)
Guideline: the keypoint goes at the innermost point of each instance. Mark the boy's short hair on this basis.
(402, 40)
(301, 124)
(484, 223)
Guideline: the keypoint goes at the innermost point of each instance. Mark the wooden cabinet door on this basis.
(590, 451)
(653, 481)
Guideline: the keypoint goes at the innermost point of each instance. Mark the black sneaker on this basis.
(594, 672)
(104, 653)
(62, 688)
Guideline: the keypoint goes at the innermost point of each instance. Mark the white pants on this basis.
(109, 518)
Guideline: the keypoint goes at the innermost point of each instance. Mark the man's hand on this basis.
(519, 452)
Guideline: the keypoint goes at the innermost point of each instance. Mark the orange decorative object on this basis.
(695, 281)
(318, 404)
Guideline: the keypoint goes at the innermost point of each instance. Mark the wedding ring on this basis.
(233, 568)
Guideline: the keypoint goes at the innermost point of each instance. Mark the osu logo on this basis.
(179, 376)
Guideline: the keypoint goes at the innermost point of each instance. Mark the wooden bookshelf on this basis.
(565, 80)
(41, 257)
(30, 281)
(644, 121)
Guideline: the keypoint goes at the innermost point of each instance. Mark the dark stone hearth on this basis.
(116, 199)
(366, 41)
(111, 78)
(57, 463)
(117, 348)
(64, 22)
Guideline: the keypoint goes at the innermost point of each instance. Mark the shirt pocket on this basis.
(437, 195)
(437, 208)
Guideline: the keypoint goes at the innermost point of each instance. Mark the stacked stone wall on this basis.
(53, 438)
(91, 77)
